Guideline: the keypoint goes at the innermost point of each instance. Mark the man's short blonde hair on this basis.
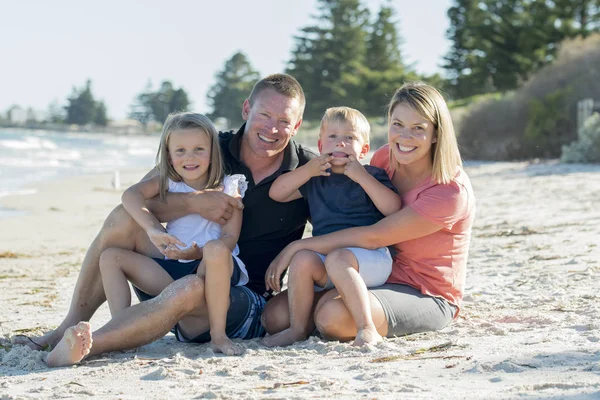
(348, 115)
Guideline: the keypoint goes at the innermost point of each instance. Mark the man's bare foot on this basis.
(283, 338)
(44, 342)
(222, 344)
(75, 344)
(367, 336)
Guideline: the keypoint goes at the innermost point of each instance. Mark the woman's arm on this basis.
(399, 227)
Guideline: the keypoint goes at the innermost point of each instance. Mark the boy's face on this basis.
(341, 140)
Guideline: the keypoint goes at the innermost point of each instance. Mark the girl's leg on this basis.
(216, 269)
(342, 268)
(306, 269)
(118, 266)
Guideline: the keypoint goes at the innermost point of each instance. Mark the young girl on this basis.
(188, 159)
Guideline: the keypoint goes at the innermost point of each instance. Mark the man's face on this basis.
(271, 121)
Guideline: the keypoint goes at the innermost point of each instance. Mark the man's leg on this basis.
(119, 230)
(138, 325)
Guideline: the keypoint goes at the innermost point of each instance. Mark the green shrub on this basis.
(586, 149)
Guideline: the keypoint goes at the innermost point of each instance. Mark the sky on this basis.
(49, 47)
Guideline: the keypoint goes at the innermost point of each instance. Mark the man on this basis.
(262, 149)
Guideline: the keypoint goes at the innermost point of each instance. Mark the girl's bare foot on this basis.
(283, 338)
(367, 336)
(75, 344)
(222, 344)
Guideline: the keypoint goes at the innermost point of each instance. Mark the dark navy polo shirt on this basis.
(267, 226)
(336, 202)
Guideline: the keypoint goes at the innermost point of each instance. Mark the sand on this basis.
(529, 326)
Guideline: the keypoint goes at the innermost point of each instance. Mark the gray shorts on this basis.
(409, 311)
(374, 266)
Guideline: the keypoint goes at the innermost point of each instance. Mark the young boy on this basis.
(341, 193)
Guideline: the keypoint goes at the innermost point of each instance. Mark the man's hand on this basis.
(354, 169)
(162, 240)
(214, 205)
(277, 267)
(318, 166)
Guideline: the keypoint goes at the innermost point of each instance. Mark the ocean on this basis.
(28, 157)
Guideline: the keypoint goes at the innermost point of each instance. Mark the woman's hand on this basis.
(277, 267)
(162, 240)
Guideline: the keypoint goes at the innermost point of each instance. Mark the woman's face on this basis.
(410, 136)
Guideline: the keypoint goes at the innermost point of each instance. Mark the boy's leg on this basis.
(217, 267)
(306, 270)
(342, 267)
(119, 266)
(118, 230)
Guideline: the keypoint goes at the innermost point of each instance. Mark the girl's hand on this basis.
(319, 165)
(354, 169)
(277, 267)
(194, 252)
(162, 240)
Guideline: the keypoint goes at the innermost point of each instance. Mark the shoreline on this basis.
(529, 325)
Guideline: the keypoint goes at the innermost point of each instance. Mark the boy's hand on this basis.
(162, 240)
(354, 169)
(318, 166)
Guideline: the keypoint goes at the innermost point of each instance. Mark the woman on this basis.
(430, 234)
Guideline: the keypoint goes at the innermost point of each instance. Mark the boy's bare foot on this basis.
(75, 344)
(367, 336)
(222, 344)
(283, 338)
(38, 343)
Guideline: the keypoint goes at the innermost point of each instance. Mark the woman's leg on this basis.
(342, 267)
(216, 268)
(306, 270)
(119, 267)
(334, 321)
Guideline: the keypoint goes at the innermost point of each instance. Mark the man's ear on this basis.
(364, 151)
(246, 109)
(297, 127)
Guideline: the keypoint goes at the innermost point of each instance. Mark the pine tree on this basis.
(232, 87)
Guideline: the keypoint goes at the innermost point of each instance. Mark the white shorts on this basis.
(374, 266)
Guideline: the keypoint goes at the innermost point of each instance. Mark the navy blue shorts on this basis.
(178, 270)
(245, 306)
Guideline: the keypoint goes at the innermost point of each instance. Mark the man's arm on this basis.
(285, 188)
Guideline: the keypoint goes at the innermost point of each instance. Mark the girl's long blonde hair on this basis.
(425, 100)
(182, 121)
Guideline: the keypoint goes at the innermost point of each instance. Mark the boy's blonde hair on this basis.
(348, 115)
(183, 121)
(425, 100)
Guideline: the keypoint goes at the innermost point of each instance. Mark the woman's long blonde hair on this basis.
(425, 100)
(182, 121)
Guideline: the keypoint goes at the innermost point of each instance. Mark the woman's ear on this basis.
(434, 138)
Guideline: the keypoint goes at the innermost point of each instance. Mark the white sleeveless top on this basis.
(194, 228)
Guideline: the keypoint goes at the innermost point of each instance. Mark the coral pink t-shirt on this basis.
(435, 264)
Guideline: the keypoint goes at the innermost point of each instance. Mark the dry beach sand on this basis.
(530, 326)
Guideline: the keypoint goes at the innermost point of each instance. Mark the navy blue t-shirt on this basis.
(337, 202)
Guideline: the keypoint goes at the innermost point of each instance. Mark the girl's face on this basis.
(189, 154)
(410, 137)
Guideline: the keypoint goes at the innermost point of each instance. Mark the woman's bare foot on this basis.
(44, 342)
(75, 344)
(222, 344)
(367, 336)
(283, 338)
